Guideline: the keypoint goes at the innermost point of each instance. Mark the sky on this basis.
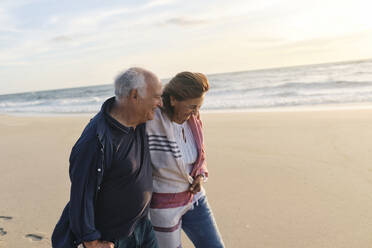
(51, 44)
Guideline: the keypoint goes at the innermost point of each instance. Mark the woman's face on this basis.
(182, 110)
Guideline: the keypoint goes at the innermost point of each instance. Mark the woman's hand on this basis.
(195, 187)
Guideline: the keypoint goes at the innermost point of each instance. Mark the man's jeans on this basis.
(199, 225)
(143, 236)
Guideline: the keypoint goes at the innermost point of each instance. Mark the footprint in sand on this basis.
(34, 237)
(6, 217)
(2, 231)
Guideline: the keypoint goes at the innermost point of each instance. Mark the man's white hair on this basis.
(133, 78)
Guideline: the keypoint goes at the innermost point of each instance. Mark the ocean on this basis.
(322, 85)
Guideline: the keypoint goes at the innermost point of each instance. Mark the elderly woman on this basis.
(179, 167)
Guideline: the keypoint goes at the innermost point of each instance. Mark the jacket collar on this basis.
(100, 120)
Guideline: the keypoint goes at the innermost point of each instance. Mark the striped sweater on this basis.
(171, 180)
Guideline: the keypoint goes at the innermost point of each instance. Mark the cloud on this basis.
(10, 30)
(96, 17)
(86, 20)
(62, 38)
(182, 21)
(7, 21)
(15, 63)
(328, 42)
(156, 3)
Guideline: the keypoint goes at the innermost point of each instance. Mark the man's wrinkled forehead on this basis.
(154, 85)
(150, 77)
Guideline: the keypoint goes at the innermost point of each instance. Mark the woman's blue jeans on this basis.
(199, 225)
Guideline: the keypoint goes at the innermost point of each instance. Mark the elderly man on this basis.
(110, 171)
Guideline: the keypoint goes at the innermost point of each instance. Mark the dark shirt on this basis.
(125, 192)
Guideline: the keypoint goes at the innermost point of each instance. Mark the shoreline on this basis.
(303, 108)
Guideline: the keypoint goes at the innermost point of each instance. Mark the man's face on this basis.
(151, 100)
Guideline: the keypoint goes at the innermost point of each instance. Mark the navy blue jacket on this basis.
(90, 157)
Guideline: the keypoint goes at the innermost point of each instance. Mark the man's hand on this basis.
(99, 244)
(195, 187)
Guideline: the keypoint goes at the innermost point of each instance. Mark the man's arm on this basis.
(83, 173)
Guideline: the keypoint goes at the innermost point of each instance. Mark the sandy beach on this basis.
(277, 179)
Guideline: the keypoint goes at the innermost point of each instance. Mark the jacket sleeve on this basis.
(83, 173)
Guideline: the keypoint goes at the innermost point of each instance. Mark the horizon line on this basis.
(209, 74)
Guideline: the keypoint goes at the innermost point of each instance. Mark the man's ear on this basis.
(133, 95)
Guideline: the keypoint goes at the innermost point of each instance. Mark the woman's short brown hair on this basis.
(184, 86)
